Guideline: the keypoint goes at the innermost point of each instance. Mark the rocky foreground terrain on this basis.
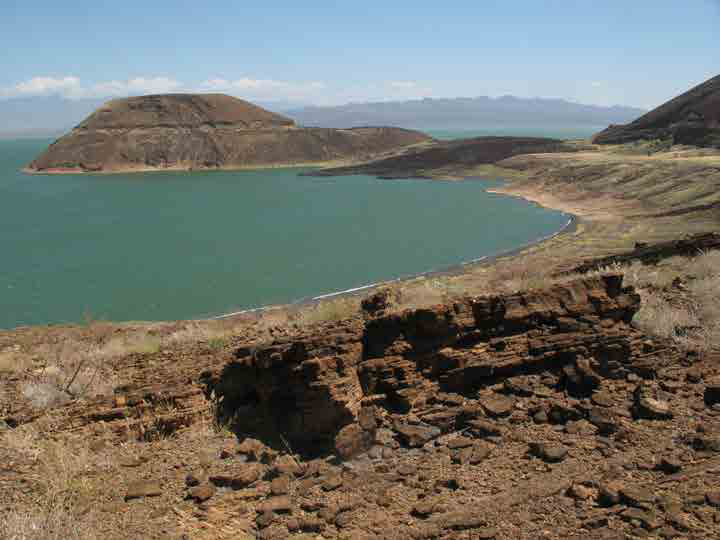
(207, 131)
(539, 414)
(571, 390)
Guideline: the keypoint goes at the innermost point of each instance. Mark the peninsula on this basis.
(206, 131)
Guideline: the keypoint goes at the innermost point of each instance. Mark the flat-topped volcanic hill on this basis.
(692, 118)
(208, 131)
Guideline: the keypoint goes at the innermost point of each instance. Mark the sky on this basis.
(626, 52)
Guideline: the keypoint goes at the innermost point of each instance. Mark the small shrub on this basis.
(217, 343)
(43, 395)
(72, 370)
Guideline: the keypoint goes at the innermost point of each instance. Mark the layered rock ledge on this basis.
(328, 390)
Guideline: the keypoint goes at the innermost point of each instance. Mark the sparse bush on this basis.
(72, 370)
(43, 395)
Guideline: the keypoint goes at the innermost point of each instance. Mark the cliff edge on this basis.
(208, 131)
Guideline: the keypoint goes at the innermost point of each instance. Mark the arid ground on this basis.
(551, 393)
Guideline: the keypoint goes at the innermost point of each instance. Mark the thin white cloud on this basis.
(317, 92)
(71, 87)
(43, 86)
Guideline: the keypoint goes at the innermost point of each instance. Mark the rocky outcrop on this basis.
(209, 131)
(329, 389)
(531, 415)
(692, 118)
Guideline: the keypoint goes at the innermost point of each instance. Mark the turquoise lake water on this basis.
(177, 245)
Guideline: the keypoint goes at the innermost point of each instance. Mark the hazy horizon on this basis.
(52, 115)
(637, 55)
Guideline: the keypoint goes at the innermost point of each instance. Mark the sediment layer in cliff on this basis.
(692, 118)
(209, 131)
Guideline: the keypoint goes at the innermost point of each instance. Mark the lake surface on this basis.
(176, 245)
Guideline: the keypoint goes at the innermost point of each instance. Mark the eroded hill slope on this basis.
(212, 131)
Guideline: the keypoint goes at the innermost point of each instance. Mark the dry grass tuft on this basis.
(420, 294)
(693, 320)
(53, 523)
(60, 510)
(12, 360)
(272, 319)
(660, 318)
(196, 332)
(132, 343)
(705, 266)
(331, 310)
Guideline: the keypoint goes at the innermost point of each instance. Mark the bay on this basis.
(177, 245)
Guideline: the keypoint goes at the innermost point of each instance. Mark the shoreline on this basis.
(608, 213)
(145, 170)
(570, 227)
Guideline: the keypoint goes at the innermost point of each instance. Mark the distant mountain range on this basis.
(466, 113)
(52, 116)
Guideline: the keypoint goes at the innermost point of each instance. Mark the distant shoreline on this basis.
(179, 168)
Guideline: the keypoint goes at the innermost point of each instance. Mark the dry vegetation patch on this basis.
(62, 494)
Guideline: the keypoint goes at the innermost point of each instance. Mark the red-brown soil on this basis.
(542, 414)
